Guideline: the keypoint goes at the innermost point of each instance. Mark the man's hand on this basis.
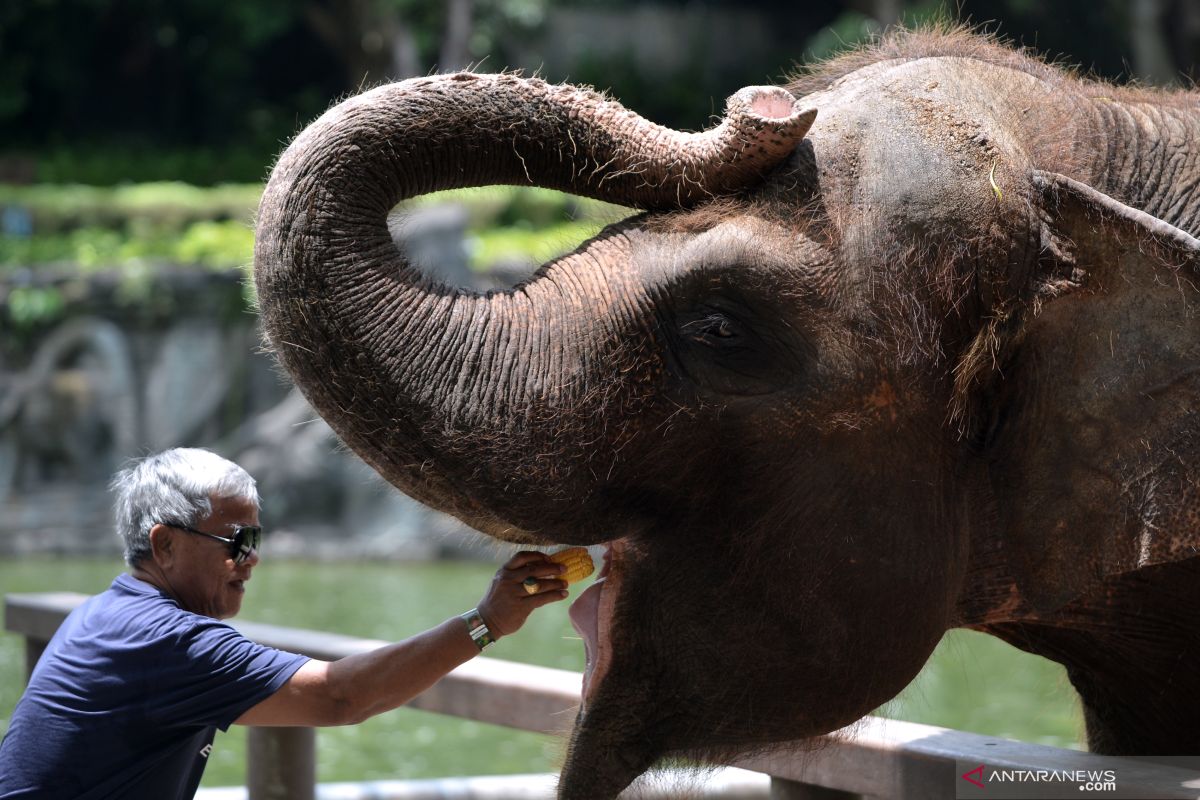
(508, 603)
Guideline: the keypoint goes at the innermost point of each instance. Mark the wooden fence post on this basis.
(33, 651)
(281, 763)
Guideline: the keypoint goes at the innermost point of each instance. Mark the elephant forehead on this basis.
(921, 144)
(750, 239)
(745, 243)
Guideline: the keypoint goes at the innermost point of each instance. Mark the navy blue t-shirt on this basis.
(126, 699)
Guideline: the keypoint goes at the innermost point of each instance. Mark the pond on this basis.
(973, 682)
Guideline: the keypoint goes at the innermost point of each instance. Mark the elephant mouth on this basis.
(592, 617)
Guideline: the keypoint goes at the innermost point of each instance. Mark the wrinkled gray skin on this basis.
(930, 360)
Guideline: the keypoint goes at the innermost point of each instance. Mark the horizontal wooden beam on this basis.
(37, 616)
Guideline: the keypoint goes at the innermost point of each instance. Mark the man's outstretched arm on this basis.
(357, 687)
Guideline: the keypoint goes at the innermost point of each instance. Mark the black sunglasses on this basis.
(245, 539)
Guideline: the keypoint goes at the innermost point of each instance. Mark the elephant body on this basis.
(907, 346)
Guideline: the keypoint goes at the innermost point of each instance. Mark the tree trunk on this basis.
(455, 52)
(1152, 62)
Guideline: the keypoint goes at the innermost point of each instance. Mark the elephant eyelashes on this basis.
(722, 355)
(709, 330)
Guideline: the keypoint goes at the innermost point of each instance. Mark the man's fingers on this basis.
(546, 596)
(523, 558)
(535, 587)
(536, 566)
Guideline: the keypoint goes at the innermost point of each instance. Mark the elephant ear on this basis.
(1094, 441)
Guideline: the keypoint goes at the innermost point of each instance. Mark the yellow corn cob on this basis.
(578, 562)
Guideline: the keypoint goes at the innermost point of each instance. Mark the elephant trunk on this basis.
(454, 397)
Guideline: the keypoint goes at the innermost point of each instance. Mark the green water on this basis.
(973, 682)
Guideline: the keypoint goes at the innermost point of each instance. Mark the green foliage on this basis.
(100, 92)
(128, 230)
(852, 28)
(144, 209)
(30, 305)
(678, 103)
(139, 74)
(494, 245)
(521, 223)
(133, 230)
(214, 244)
(496, 21)
(119, 162)
(523, 206)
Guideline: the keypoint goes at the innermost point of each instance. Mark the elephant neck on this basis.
(1148, 154)
(1124, 646)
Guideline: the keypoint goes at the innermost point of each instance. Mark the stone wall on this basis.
(178, 359)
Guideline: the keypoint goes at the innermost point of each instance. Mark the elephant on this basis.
(908, 344)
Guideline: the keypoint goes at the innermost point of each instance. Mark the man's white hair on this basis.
(173, 487)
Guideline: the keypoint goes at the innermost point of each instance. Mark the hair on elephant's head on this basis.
(848, 381)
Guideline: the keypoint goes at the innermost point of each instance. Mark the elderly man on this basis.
(126, 699)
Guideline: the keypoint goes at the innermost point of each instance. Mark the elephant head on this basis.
(837, 389)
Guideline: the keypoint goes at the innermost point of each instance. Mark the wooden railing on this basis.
(875, 758)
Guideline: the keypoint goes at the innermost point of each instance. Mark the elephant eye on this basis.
(727, 346)
(721, 348)
(709, 327)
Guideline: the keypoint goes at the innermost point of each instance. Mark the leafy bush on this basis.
(216, 244)
(523, 206)
(143, 208)
(161, 208)
(132, 230)
(115, 165)
(212, 244)
(27, 305)
(487, 247)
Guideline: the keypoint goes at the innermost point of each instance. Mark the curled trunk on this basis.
(459, 399)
